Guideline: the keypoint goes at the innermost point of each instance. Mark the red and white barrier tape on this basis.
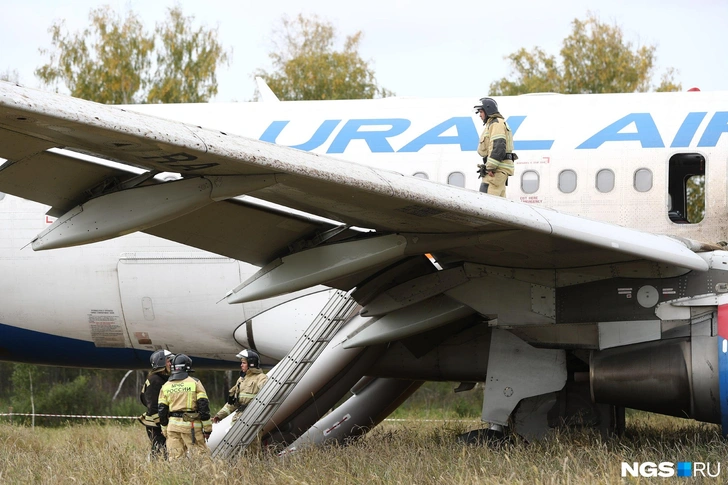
(69, 416)
(137, 417)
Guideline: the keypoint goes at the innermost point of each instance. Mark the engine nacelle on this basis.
(677, 377)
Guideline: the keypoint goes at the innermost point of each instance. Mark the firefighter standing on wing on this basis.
(496, 148)
(184, 411)
(249, 383)
(161, 368)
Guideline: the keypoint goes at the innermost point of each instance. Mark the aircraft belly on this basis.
(22, 345)
(79, 297)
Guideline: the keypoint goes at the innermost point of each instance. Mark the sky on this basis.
(424, 48)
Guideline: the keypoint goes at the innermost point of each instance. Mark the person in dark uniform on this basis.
(149, 397)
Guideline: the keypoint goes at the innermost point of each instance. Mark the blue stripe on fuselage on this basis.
(723, 382)
(22, 345)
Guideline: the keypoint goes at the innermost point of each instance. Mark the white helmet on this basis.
(251, 356)
(159, 358)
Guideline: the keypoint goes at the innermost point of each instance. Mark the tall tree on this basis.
(306, 65)
(595, 58)
(112, 61)
(106, 62)
(187, 61)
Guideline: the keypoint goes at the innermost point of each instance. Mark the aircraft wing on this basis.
(454, 223)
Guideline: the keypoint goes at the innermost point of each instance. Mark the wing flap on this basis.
(54, 179)
(240, 230)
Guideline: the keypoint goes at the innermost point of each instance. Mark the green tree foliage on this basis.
(306, 65)
(64, 390)
(187, 62)
(106, 62)
(113, 60)
(595, 58)
(695, 192)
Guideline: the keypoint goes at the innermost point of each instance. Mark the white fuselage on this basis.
(109, 304)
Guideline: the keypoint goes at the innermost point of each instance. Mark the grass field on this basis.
(395, 452)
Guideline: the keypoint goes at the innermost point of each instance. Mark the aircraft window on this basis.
(457, 179)
(420, 175)
(686, 188)
(567, 181)
(605, 180)
(2, 196)
(529, 181)
(643, 180)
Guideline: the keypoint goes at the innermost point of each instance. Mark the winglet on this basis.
(266, 93)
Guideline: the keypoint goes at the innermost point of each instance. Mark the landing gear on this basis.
(494, 436)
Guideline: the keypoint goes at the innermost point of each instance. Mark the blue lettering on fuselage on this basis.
(646, 132)
(687, 130)
(514, 122)
(376, 139)
(376, 133)
(319, 137)
(466, 136)
(717, 126)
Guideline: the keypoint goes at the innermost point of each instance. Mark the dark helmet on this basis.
(159, 358)
(181, 367)
(488, 105)
(251, 356)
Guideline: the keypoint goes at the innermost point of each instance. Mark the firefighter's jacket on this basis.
(184, 406)
(243, 392)
(496, 145)
(149, 396)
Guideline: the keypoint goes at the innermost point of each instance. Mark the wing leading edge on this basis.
(455, 223)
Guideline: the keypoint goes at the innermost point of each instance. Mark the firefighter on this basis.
(249, 383)
(149, 396)
(496, 148)
(184, 411)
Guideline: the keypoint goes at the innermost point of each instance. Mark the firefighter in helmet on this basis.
(184, 411)
(249, 383)
(496, 147)
(149, 396)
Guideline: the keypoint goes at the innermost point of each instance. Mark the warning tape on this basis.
(83, 416)
(432, 420)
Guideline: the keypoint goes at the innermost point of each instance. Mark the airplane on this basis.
(594, 286)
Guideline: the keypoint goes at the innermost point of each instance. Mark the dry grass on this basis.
(401, 452)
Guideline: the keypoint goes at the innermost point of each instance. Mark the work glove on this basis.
(206, 432)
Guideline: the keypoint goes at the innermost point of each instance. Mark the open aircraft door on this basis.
(170, 297)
